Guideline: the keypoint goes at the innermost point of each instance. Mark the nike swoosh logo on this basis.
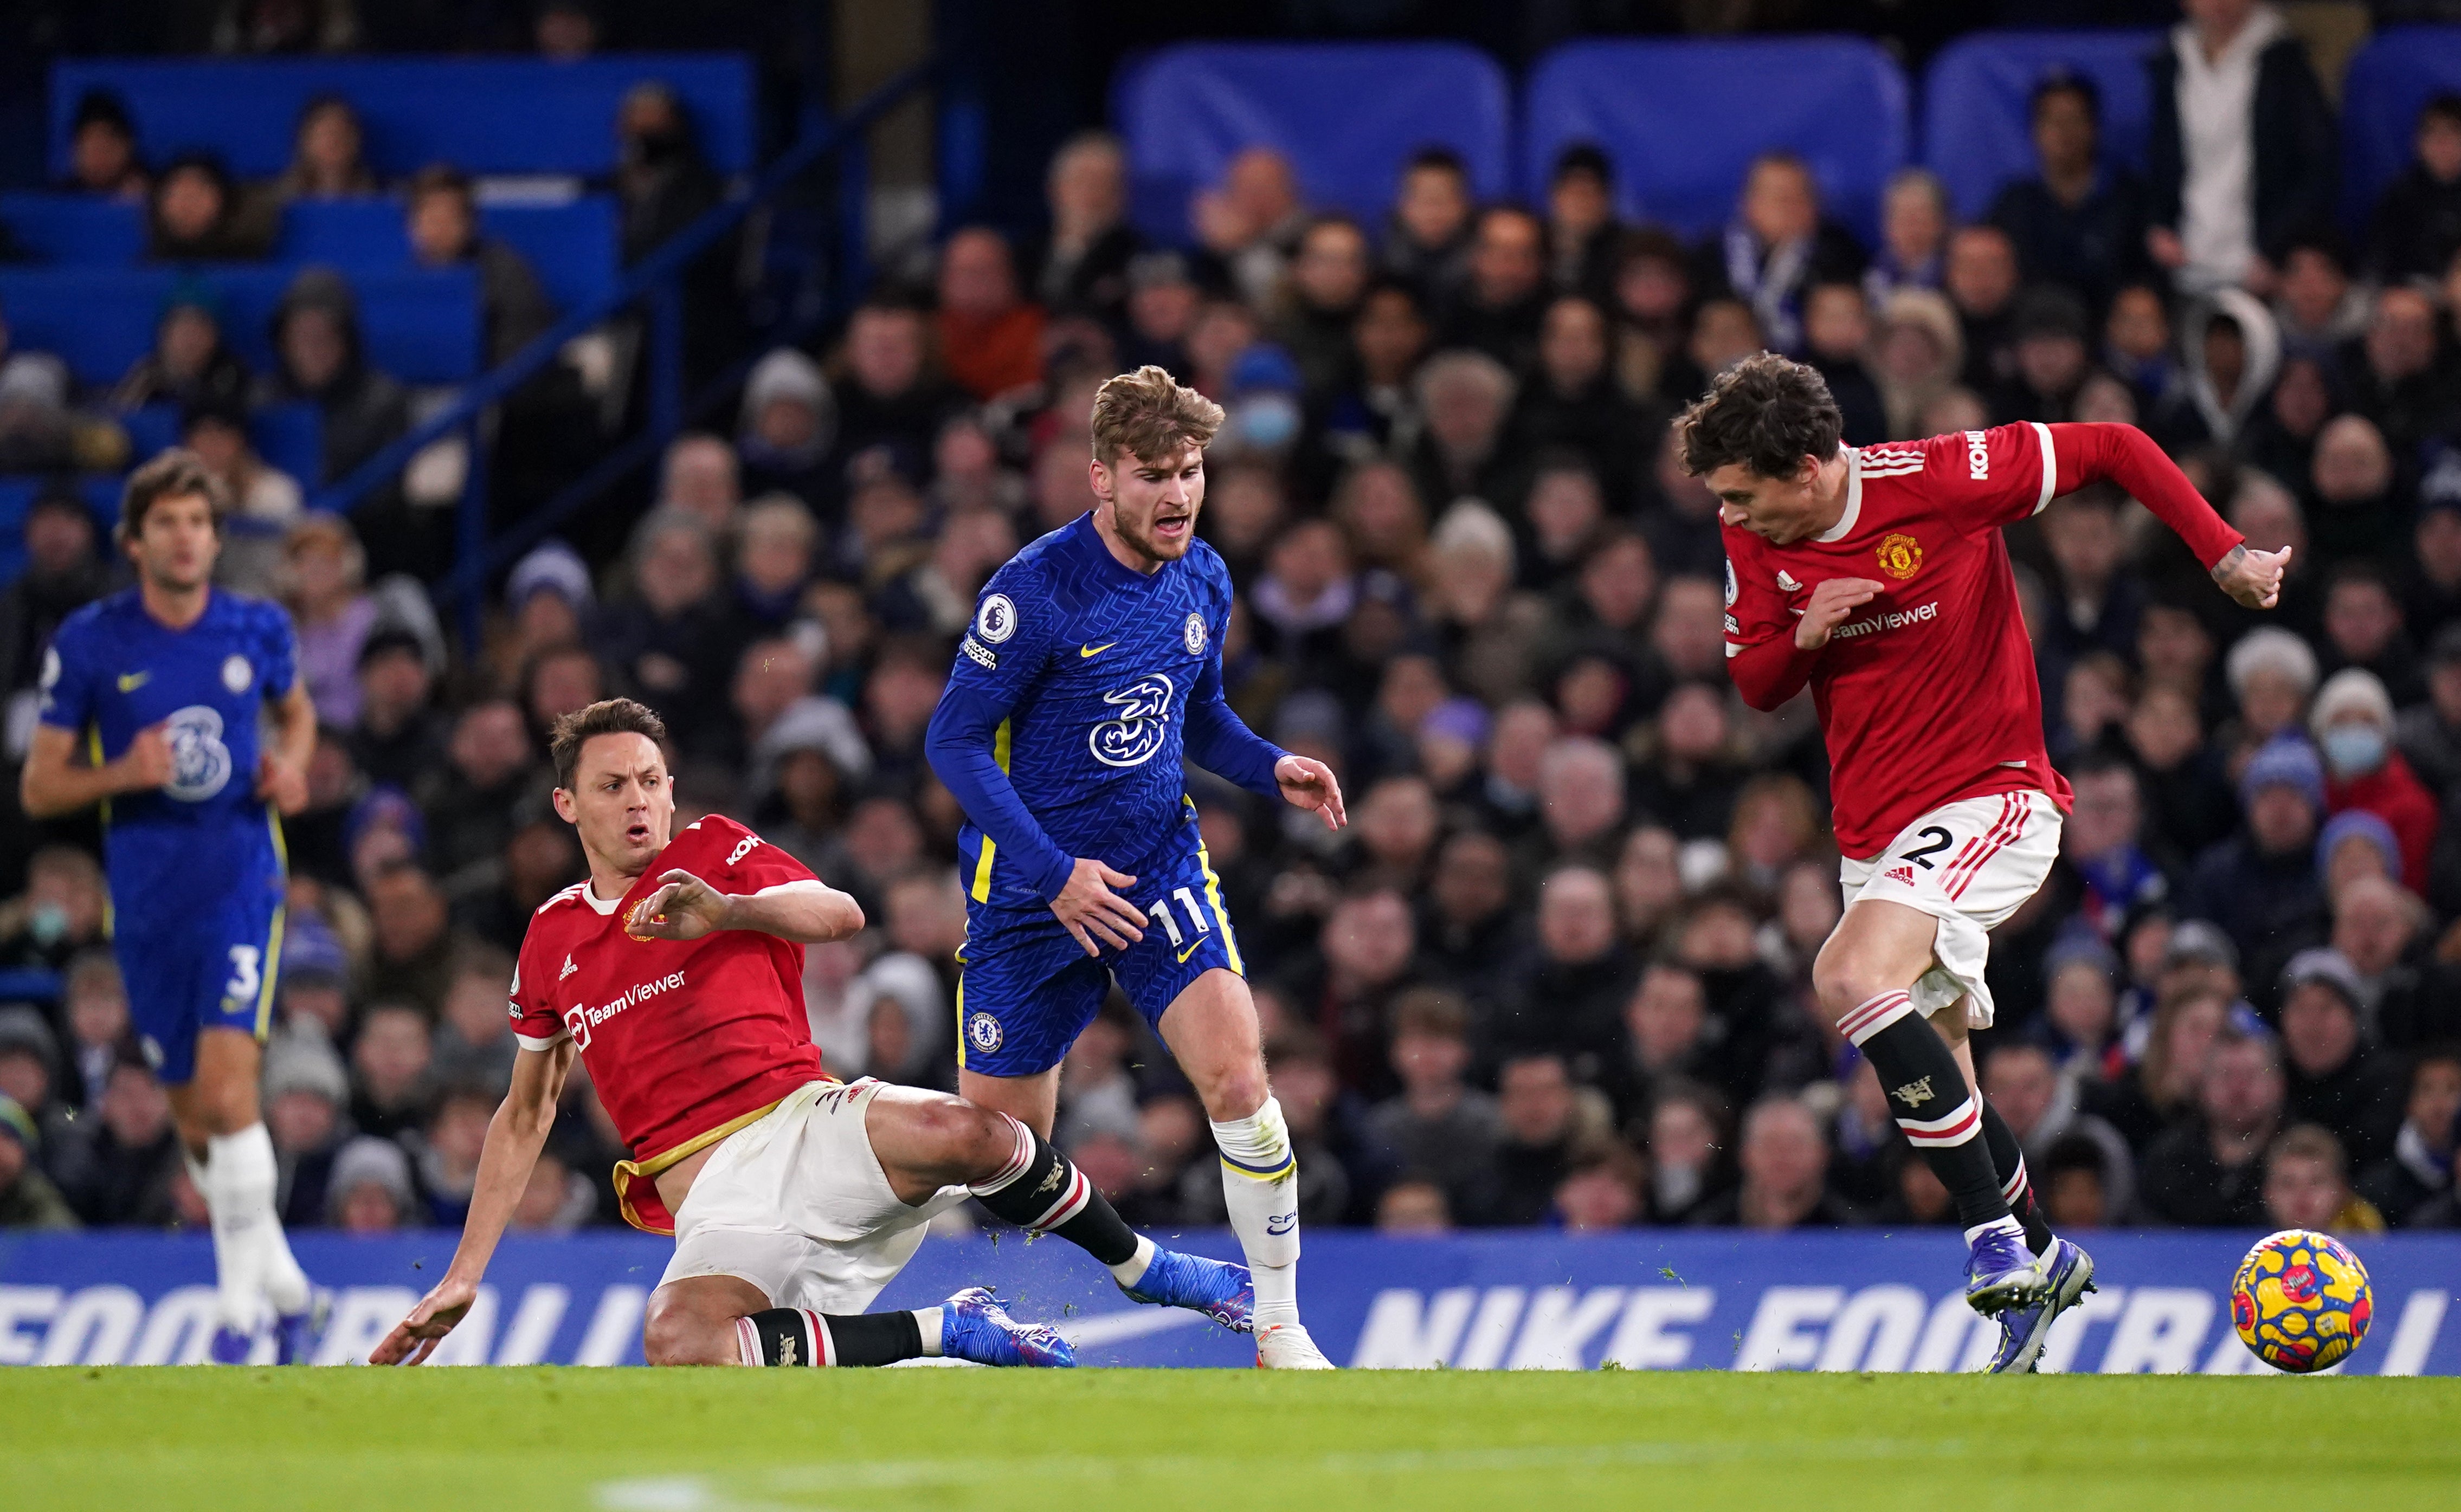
(1096, 650)
(1191, 950)
(129, 682)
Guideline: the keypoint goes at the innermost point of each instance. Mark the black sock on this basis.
(800, 1336)
(1040, 1190)
(1928, 1096)
(2008, 1159)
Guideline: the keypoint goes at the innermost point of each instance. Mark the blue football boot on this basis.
(2067, 1273)
(229, 1346)
(295, 1334)
(974, 1327)
(2000, 1274)
(1215, 1288)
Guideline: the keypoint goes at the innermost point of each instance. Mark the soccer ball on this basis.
(2301, 1301)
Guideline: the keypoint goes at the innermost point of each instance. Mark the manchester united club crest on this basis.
(632, 920)
(1901, 555)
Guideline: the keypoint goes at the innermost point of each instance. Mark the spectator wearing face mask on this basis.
(2353, 722)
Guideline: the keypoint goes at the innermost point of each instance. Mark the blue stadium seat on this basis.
(572, 245)
(421, 327)
(1683, 121)
(2398, 72)
(290, 436)
(1347, 115)
(1976, 134)
(75, 229)
(487, 115)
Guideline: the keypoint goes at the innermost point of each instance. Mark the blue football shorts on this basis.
(208, 965)
(1026, 989)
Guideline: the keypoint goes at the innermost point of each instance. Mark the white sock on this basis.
(1131, 1270)
(1261, 1186)
(237, 1181)
(928, 1319)
(286, 1284)
(2001, 1225)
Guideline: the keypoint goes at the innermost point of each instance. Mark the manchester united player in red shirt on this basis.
(1877, 576)
(676, 973)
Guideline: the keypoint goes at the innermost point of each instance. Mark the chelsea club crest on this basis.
(983, 1033)
(1195, 636)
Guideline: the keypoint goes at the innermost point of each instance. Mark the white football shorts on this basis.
(796, 1204)
(1970, 865)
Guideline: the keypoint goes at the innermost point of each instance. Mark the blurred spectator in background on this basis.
(1427, 237)
(2207, 1172)
(2420, 1168)
(28, 1198)
(2243, 150)
(2079, 223)
(1250, 223)
(2417, 223)
(190, 362)
(784, 429)
(1784, 1161)
(1582, 232)
(1981, 285)
(1777, 245)
(306, 1093)
(662, 182)
(1914, 221)
(2335, 1075)
(103, 155)
(513, 308)
(320, 358)
(2307, 1185)
(328, 153)
(63, 571)
(130, 1159)
(369, 1191)
(991, 336)
(266, 501)
(196, 214)
(1079, 267)
(1502, 300)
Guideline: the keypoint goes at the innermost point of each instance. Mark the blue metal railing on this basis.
(655, 282)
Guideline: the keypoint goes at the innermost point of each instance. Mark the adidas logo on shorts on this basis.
(1902, 874)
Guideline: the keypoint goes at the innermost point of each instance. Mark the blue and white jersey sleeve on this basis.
(1217, 738)
(998, 665)
(72, 669)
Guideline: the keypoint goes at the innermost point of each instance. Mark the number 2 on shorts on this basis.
(1940, 840)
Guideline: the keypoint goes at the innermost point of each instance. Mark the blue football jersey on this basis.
(1096, 664)
(114, 669)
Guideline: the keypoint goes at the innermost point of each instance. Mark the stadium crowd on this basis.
(1557, 970)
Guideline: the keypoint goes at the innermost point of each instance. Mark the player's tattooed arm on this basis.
(513, 1138)
(2253, 578)
(807, 912)
(53, 785)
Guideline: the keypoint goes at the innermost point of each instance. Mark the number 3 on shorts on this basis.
(244, 980)
(1935, 839)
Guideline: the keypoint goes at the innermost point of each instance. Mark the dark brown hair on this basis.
(441, 177)
(1149, 415)
(608, 716)
(1768, 412)
(176, 474)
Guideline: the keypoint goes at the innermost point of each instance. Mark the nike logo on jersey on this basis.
(1191, 950)
(569, 969)
(129, 682)
(1096, 650)
(1785, 581)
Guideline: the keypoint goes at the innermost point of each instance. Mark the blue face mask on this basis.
(2353, 750)
(48, 923)
(1268, 421)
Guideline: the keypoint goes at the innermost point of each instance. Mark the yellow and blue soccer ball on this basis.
(2301, 1301)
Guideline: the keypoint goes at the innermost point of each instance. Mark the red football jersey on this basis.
(1927, 693)
(684, 1040)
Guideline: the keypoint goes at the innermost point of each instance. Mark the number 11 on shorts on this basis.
(1160, 908)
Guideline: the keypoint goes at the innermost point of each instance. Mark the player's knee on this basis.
(953, 1136)
(677, 1336)
(1233, 1093)
(1844, 979)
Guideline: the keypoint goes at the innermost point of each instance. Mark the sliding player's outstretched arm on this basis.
(806, 912)
(513, 1138)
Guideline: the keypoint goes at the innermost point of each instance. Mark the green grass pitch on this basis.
(633, 1440)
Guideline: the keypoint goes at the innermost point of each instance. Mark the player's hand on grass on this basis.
(1310, 784)
(684, 907)
(1095, 914)
(1831, 603)
(2253, 578)
(414, 1337)
(146, 765)
(284, 784)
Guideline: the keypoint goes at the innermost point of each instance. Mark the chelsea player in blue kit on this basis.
(160, 689)
(1093, 664)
